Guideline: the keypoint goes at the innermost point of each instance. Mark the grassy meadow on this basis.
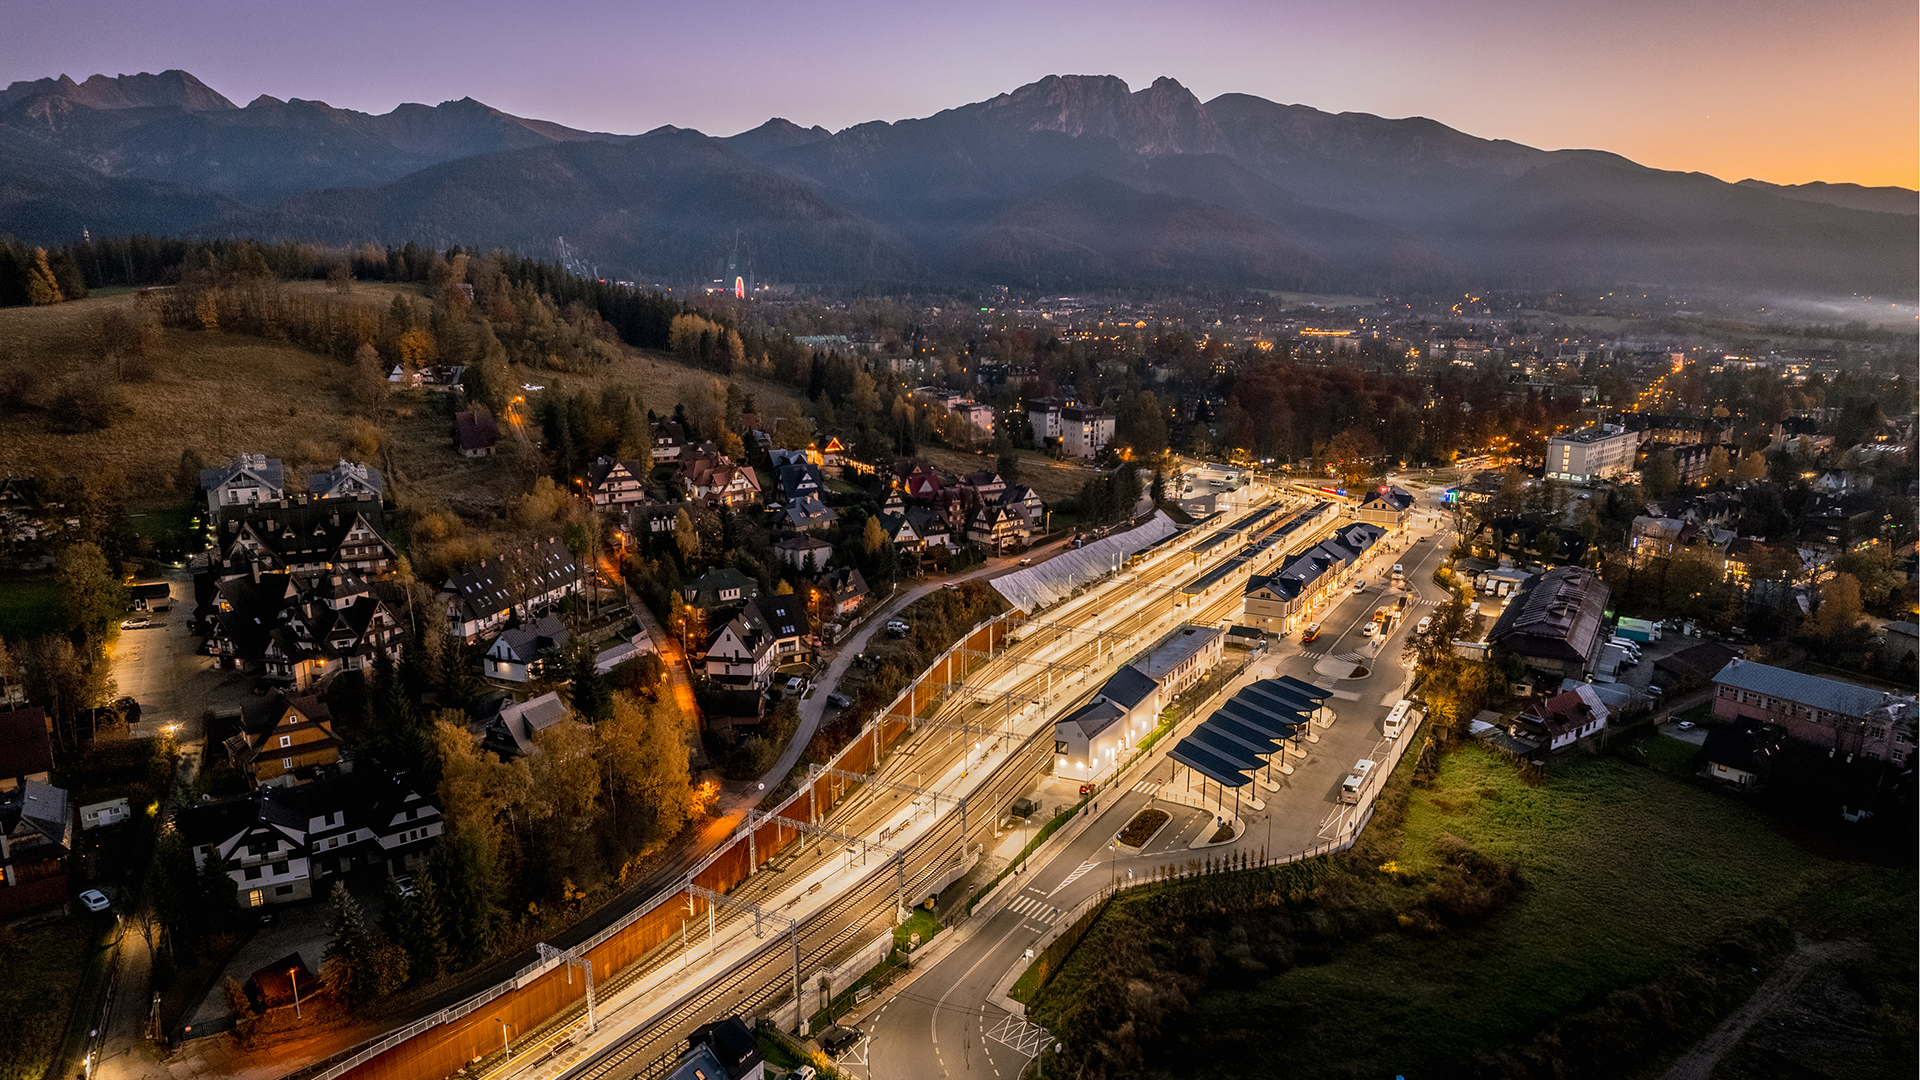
(1630, 876)
(222, 394)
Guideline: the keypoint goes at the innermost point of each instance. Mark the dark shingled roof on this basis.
(1557, 616)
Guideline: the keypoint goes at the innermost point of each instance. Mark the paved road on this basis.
(813, 708)
(942, 1026)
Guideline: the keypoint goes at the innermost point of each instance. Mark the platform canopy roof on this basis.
(1305, 689)
(1208, 762)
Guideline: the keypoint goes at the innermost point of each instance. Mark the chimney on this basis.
(256, 571)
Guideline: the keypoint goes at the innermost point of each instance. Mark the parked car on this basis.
(795, 685)
(1028, 561)
(1370, 629)
(839, 700)
(896, 628)
(135, 624)
(1421, 626)
(403, 884)
(95, 900)
(1359, 586)
(1088, 789)
(836, 1039)
(950, 585)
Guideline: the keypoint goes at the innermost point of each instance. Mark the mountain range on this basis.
(1069, 182)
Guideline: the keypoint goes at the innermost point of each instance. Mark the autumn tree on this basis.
(42, 286)
(1350, 456)
(91, 596)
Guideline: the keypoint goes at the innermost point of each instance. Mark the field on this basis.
(1055, 481)
(29, 607)
(223, 394)
(1630, 875)
(41, 968)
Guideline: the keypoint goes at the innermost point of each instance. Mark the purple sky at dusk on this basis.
(1783, 91)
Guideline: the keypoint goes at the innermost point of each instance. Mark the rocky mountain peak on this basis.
(173, 88)
(1165, 118)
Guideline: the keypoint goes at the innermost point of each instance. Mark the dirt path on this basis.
(1699, 1062)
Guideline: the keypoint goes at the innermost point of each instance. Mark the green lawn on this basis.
(29, 607)
(1629, 875)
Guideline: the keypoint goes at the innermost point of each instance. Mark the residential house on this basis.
(1043, 419)
(900, 531)
(1740, 754)
(36, 836)
(712, 477)
(279, 844)
(1559, 721)
(649, 518)
(808, 553)
(1834, 715)
(1387, 506)
(510, 732)
(305, 535)
(26, 747)
(1555, 624)
(930, 525)
(247, 480)
(768, 633)
(482, 596)
(986, 483)
(844, 590)
(1749, 558)
(347, 480)
(807, 513)
(283, 740)
(739, 655)
(669, 439)
(997, 529)
(614, 484)
(1026, 502)
(298, 628)
(475, 432)
(519, 653)
(720, 587)
(918, 480)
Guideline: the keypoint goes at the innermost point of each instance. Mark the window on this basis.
(280, 867)
(252, 873)
(286, 763)
(255, 898)
(283, 890)
(286, 740)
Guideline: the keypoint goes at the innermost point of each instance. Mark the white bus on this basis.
(1403, 716)
(1356, 782)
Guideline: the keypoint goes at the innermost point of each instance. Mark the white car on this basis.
(794, 684)
(95, 900)
(135, 624)
(1370, 629)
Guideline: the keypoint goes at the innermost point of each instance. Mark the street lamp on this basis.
(293, 975)
(503, 1036)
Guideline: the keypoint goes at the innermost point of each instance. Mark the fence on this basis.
(443, 1042)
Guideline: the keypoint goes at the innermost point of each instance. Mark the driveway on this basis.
(162, 669)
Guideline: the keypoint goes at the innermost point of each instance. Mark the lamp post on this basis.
(508, 1046)
(293, 975)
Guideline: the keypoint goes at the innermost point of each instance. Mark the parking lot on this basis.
(160, 667)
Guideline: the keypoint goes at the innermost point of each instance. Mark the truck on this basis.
(1639, 630)
(1355, 784)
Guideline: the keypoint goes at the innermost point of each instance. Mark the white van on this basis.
(1421, 626)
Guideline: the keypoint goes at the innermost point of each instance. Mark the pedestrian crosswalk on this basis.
(1034, 907)
(1147, 787)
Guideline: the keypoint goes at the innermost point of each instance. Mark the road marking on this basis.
(1146, 787)
(1075, 876)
